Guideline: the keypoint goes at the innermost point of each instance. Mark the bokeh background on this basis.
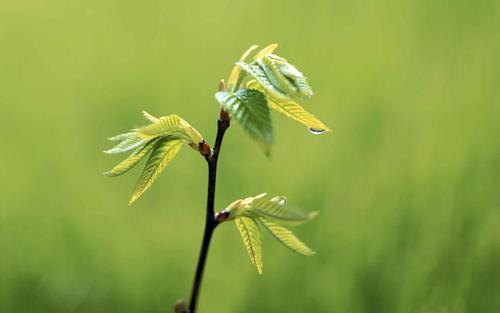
(408, 184)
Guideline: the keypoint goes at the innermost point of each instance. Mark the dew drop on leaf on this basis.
(316, 131)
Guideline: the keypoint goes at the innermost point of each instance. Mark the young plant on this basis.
(254, 88)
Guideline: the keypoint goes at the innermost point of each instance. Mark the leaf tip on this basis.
(133, 199)
(108, 174)
(313, 214)
(266, 51)
(150, 117)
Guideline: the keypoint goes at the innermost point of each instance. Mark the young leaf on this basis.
(132, 160)
(169, 125)
(276, 77)
(162, 139)
(250, 108)
(163, 152)
(122, 137)
(304, 90)
(292, 74)
(294, 111)
(129, 141)
(286, 237)
(235, 77)
(263, 81)
(277, 210)
(250, 233)
(266, 51)
(172, 126)
(150, 117)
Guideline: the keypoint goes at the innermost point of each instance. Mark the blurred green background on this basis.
(408, 184)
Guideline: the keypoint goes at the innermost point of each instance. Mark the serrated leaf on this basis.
(129, 141)
(123, 136)
(250, 233)
(260, 76)
(249, 107)
(294, 111)
(235, 76)
(164, 126)
(132, 160)
(277, 79)
(172, 126)
(163, 152)
(276, 209)
(286, 237)
(266, 51)
(292, 74)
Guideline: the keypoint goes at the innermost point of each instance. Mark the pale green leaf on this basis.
(266, 51)
(169, 125)
(286, 237)
(292, 74)
(294, 111)
(150, 117)
(132, 160)
(235, 77)
(250, 233)
(163, 152)
(172, 126)
(250, 108)
(278, 210)
(123, 136)
(277, 79)
(261, 77)
(129, 141)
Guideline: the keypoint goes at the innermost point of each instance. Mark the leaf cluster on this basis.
(268, 82)
(161, 140)
(271, 213)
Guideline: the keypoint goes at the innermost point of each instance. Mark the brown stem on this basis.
(210, 221)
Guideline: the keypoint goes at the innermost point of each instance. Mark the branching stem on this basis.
(210, 221)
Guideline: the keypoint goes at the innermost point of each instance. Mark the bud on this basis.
(222, 216)
(224, 116)
(204, 148)
(180, 306)
(222, 85)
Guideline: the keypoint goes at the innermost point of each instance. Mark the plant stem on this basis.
(210, 221)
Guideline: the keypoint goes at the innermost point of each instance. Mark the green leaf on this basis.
(250, 108)
(150, 117)
(169, 125)
(266, 51)
(235, 77)
(172, 126)
(276, 209)
(250, 233)
(132, 160)
(274, 75)
(286, 237)
(263, 80)
(163, 152)
(292, 74)
(129, 141)
(296, 112)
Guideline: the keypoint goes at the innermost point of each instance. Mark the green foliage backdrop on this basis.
(407, 183)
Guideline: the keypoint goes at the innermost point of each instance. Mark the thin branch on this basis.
(210, 221)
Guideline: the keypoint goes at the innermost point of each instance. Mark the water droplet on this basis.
(316, 131)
